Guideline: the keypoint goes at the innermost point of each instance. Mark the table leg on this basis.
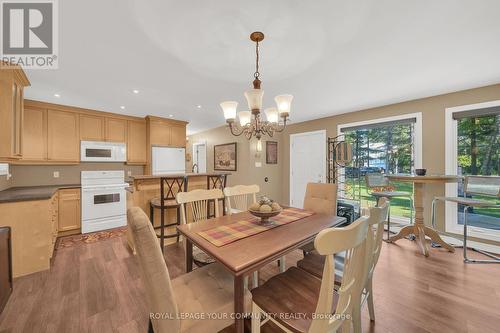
(419, 229)
(239, 301)
(189, 255)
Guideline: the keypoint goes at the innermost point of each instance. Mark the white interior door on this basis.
(200, 156)
(307, 163)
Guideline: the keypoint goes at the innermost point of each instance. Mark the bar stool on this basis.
(378, 180)
(216, 182)
(169, 187)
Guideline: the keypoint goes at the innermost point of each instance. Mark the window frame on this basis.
(451, 167)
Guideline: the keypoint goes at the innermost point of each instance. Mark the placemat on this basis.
(226, 234)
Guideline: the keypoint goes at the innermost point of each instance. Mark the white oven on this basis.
(103, 200)
(98, 151)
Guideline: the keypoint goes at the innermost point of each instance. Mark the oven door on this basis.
(103, 202)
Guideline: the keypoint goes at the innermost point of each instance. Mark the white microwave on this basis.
(97, 151)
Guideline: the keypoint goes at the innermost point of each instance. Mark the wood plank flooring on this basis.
(97, 288)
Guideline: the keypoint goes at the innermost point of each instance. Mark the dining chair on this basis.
(313, 263)
(378, 184)
(197, 203)
(486, 186)
(310, 304)
(207, 289)
(240, 197)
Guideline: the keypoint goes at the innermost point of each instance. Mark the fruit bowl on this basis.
(265, 216)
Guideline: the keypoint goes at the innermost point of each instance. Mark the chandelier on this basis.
(250, 122)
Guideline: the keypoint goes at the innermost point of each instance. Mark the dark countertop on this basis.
(187, 174)
(28, 193)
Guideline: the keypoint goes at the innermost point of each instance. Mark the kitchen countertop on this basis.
(28, 193)
(188, 174)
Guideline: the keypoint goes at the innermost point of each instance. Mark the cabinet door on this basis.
(63, 136)
(35, 134)
(18, 120)
(116, 130)
(178, 136)
(159, 133)
(91, 128)
(69, 209)
(136, 142)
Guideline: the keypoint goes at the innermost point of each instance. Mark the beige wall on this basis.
(34, 175)
(433, 119)
(247, 172)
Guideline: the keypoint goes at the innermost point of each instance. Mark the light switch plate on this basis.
(129, 173)
(56, 174)
(258, 164)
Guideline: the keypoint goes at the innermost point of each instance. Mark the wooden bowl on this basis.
(265, 216)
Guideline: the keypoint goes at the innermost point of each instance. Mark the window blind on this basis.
(491, 111)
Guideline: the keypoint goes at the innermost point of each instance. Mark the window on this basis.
(381, 146)
(473, 148)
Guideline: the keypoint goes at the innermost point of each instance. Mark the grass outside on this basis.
(401, 206)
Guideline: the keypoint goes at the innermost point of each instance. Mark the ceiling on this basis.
(334, 56)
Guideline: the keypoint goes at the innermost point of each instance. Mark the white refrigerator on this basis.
(168, 160)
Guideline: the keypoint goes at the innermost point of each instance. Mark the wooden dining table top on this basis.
(247, 254)
(426, 178)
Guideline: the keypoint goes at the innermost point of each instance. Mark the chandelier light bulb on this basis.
(229, 109)
(254, 98)
(283, 102)
(259, 145)
(272, 115)
(245, 117)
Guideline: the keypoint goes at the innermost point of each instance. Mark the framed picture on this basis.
(271, 152)
(225, 157)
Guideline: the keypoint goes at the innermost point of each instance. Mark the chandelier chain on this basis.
(257, 73)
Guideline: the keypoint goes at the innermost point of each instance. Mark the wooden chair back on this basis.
(352, 241)
(321, 198)
(376, 220)
(197, 201)
(374, 180)
(483, 185)
(160, 295)
(239, 195)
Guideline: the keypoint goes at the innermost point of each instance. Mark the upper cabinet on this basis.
(34, 134)
(91, 127)
(136, 142)
(178, 135)
(12, 83)
(116, 129)
(166, 132)
(63, 136)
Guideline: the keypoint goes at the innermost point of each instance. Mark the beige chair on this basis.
(205, 290)
(240, 197)
(320, 198)
(486, 186)
(313, 263)
(296, 292)
(197, 203)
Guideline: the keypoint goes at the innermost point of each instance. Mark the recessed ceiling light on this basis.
(135, 91)
(171, 115)
(122, 107)
(198, 106)
(57, 95)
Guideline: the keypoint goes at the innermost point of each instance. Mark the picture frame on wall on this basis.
(226, 157)
(271, 152)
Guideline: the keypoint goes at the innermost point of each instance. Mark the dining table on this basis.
(419, 229)
(247, 255)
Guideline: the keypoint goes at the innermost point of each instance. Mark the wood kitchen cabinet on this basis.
(69, 210)
(12, 83)
(91, 127)
(63, 136)
(159, 133)
(178, 136)
(116, 129)
(136, 142)
(34, 134)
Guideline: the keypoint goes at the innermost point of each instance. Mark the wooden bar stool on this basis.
(169, 187)
(216, 182)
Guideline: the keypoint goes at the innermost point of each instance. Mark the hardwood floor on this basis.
(97, 288)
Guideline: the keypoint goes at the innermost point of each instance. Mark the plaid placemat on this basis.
(227, 234)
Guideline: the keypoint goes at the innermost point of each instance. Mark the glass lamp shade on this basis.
(254, 98)
(245, 117)
(258, 148)
(229, 109)
(283, 102)
(272, 115)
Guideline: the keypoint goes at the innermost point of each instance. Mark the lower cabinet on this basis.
(69, 211)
